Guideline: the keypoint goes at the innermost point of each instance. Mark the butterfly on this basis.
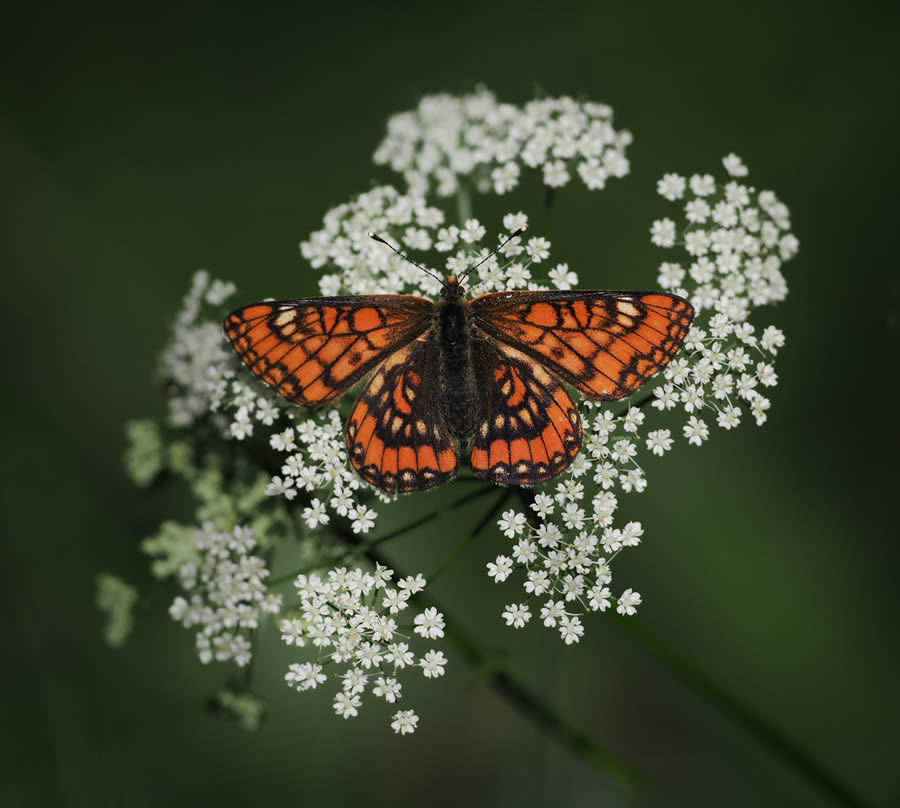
(487, 375)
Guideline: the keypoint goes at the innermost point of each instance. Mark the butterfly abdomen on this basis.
(457, 374)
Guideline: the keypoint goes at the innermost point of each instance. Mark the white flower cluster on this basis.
(567, 553)
(737, 240)
(227, 594)
(447, 138)
(192, 362)
(364, 266)
(349, 618)
(738, 249)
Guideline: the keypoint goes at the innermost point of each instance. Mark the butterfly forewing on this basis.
(313, 350)
(528, 429)
(605, 344)
(397, 436)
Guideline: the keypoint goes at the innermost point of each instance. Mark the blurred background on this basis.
(136, 147)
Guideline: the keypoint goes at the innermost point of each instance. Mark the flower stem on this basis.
(463, 204)
(463, 545)
(361, 547)
(528, 703)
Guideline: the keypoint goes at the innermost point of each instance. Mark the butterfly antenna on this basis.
(376, 237)
(518, 232)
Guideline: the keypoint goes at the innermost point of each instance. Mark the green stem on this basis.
(767, 734)
(473, 533)
(361, 547)
(463, 204)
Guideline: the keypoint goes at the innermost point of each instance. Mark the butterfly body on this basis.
(485, 377)
(454, 337)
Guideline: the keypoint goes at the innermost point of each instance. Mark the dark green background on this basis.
(137, 147)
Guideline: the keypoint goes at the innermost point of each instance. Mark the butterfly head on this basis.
(452, 291)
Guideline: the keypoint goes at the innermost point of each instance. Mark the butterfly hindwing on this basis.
(396, 435)
(528, 429)
(605, 344)
(314, 349)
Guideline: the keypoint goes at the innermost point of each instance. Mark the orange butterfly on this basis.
(489, 374)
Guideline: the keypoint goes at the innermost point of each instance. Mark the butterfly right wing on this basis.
(528, 429)
(314, 349)
(396, 435)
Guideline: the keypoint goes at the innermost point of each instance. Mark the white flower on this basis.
(346, 705)
(517, 615)
(430, 624)
(734, 165)
(659, 441)
(542, 505)
(562, 278)
(628, 602)
(696, 431)
(279, 487)
(570, 629)
(552, 611)
(404, 722)
(315, 514)
(500, 569)
(387, 688)
(305, 677)
(512, 523)
(472, 231)
(702, 185)
(555, 174)
(433, 664)
(671, 186)
(363, 518)
(662, 233)
(538, 249)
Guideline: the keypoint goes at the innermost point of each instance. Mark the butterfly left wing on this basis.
(396, 435)
(314, 349)
(605, 344)
(528, 429)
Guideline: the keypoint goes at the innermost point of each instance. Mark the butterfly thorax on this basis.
(454, 338)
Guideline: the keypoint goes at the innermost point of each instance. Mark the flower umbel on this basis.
(349, 619)
(272, 485)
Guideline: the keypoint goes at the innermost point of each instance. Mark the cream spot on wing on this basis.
(498, 422)
(485, 426)
(421, 428)
(540, 374)
(625, 307)
(285, 317)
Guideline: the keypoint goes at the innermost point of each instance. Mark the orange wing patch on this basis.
(313, 350)
(528, 429)
(396, 434)
(605, 344)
